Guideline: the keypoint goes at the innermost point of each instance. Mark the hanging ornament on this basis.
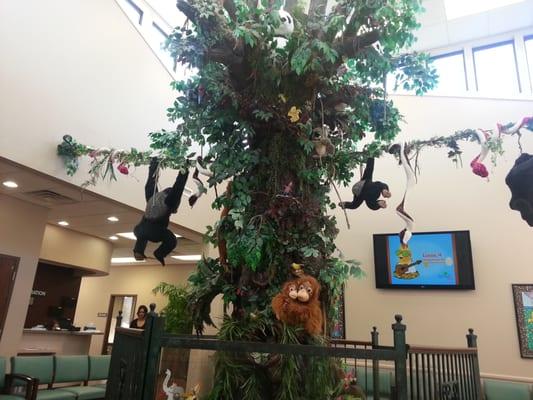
(323, 145)
(284, 30)
(477, 165)
(294, 114)
(406, 233)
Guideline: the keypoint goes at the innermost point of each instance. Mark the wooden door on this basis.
(8, 272)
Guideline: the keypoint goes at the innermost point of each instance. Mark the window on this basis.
(452, 73)
(159, 38)
(528, 41)
(462, 8)
(496, 69)
(134, 12)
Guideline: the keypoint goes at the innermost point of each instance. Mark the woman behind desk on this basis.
(139, 322)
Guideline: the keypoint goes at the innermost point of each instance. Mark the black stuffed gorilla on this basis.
(154, 224)
(520, 181)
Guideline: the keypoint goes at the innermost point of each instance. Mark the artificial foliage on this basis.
(283, 121)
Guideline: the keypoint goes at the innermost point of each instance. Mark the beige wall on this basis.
(21, 232)
(103, 86)
(65, 246)
(447, 198)
(95, 292)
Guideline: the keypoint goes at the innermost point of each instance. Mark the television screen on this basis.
(431, 260)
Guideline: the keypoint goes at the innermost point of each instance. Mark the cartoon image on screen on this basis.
(426, 260)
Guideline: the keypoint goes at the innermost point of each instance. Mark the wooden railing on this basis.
(419, 373)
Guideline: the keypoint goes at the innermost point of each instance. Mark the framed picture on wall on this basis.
(523, 303)
(338, 327)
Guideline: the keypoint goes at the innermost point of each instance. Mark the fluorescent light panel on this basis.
(10, 184)
(63, 223)
(194, 257)
(112, 219)
(461, 8)
(131, 236)
(125, 260)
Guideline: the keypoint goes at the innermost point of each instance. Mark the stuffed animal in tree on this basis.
(298, 304)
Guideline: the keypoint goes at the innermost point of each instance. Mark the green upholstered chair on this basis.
(41, 368)
(500, 390)
(9, 383)
(71, 369)
(99, 369)
(365, 380)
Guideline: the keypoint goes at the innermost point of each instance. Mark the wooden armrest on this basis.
(32, 384)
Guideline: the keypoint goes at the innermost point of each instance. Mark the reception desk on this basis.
(40, 342)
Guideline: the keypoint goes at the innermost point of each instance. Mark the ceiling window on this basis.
(134, 12)
(462, 8)
(496, 69)
(528, 41)
(452, 73)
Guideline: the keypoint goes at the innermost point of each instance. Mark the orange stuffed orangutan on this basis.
(298, 304)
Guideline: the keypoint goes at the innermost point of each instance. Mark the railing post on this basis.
(400, 364)
(471, 340)
(119, 319)
(153, 333)
(375, 363)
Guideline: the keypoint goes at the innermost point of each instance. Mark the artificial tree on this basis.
(281, 120)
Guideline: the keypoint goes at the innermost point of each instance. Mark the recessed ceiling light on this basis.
(193, 257)
(63, 223)
(131, 235)
(127, 235)
(10, 184)
(112, 219)
(125, 260)
(113, 237)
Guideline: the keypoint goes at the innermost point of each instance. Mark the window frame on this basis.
(492, 46)
(451, 54)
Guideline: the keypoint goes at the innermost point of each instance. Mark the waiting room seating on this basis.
(71, 370)
(9, 383)
(501, 390)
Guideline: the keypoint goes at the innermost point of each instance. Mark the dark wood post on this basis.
(153, 333)
(375, 363)
(400, 364)
(471, 340)
(119, 319)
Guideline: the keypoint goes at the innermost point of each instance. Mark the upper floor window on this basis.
(452, 73)
(528, 41)
(134, 11)
(496, 69)
(462, 8)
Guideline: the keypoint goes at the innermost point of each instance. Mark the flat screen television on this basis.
(432, 260)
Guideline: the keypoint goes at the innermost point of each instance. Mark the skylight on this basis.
(462, 8)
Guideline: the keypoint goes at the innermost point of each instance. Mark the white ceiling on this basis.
(87, 212)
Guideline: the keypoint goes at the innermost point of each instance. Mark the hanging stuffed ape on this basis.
(368, 191)
(520, 181)
(159, 205)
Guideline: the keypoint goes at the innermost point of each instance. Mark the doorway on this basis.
(8, 273)
(118, 302)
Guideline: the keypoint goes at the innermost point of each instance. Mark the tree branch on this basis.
(352, 44)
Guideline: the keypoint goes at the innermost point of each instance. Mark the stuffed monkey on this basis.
(153, 226)
(298, 304)
(368, 191)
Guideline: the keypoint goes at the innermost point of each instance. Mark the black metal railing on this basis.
(445, 373)
(415, 373)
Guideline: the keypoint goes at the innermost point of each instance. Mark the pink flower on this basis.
(123, 169)
(479, 168)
